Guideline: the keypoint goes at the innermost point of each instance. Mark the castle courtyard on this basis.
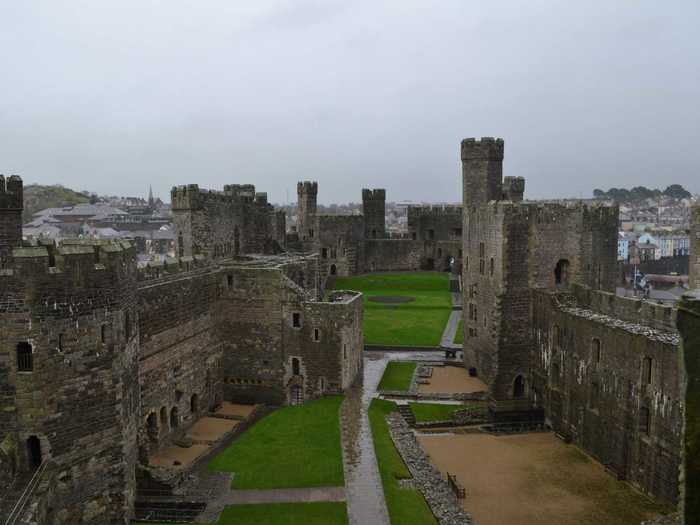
(534, 478)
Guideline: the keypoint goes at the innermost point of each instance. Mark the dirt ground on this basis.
(185, 456)
(452, 379)
(232, 409)
(210, 429)
(534, 479)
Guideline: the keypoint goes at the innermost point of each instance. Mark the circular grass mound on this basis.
(391, 299)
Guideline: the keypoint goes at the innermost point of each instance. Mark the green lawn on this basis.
(320, 513)
(296, 446)
(397, 375)
(459, 335)
(406, 506)
(426, 412)
(417, 323)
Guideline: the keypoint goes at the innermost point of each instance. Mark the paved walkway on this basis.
(363, 484)
(448, 335)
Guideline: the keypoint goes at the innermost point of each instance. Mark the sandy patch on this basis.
(534, 479)
(185, 456)
(233, 409)
(451, 380)
(210, 429)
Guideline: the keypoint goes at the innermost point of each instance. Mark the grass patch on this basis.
(297, 446)
(397, 375)
(406, 506)
(459, 335)
(317, 513)
(426, 412)
(417, 323)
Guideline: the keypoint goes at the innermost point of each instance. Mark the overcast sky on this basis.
(114, 96)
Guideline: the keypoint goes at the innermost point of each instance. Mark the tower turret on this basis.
(307, 192)
(11, 206)
(482, 170)
(374, 210)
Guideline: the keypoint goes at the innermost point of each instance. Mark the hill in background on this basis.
(38, 197)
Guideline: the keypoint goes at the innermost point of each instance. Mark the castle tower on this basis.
(482, 170)
(307, 193)
(69, 378)
(694, 271)
(374, 211)
(11, 206)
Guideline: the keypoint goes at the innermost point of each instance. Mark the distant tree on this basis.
(598, 193)
(94, 199)
(676, 191)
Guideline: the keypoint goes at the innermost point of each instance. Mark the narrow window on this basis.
(229, 279)
(322, 384)
(296, 320)
(324, 253)
(482, 265)
(194, 404)
(103, 333)
(482, 250)
(374, 234)
(595, 350)
(594, 395)
(317, 335)
(60, 342)
(174, 418)
(25, 362)
(460, 253)
(644, 420)
(127, 324)
(491, 267)
(431, 234)
(647, 367)
(295, 366)
(345, 351)
(555, 375)
(439, 252)
(413, 236)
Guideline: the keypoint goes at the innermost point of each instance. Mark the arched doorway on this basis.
(164, 418)
(174, 418)
(334, 270)
(152, 426)
(194, 403)
(296, 395)
(518, 387)
(34, 451)
(561, 273)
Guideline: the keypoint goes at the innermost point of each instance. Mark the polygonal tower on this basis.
(374, 211)
(307, 193)
(11, 206)
(482, 170)
(694, 273)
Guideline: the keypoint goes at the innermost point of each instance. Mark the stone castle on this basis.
(103, 361)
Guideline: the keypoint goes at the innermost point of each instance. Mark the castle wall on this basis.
(76, 307)
(393, 255)
(180, 353)
(374, 212)
(11, 205)
(591, 376)
(340, 243)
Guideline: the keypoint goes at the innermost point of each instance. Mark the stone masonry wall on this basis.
(76, 306)
(694, 274)
(11, 205)
(613, 387)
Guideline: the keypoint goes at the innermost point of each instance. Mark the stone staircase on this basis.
(407, 414)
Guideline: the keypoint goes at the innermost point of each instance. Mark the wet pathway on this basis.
(363, 485)
(448, 336)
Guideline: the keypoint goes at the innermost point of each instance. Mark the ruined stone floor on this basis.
(168, 456)
(452, 380)
(209, 430)
(234, 410)
(535, 479)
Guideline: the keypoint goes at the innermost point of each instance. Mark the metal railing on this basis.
(21, 503)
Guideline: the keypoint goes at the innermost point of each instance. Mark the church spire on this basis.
(151, 202)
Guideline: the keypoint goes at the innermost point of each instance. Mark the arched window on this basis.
(25, 359)
(561, 273)
(295, 366)
(555, 375)
(374, 234)
(174, 418)
(34, 451)
(518, 387)
(164, 417)
(334, 269)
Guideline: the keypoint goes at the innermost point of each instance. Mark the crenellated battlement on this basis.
(154, 270)
(192, 197)
(488, 148)
(435, 209)
(376, 194)
(76, 260)
(307, 188)
(11, 193)
(513, 188)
